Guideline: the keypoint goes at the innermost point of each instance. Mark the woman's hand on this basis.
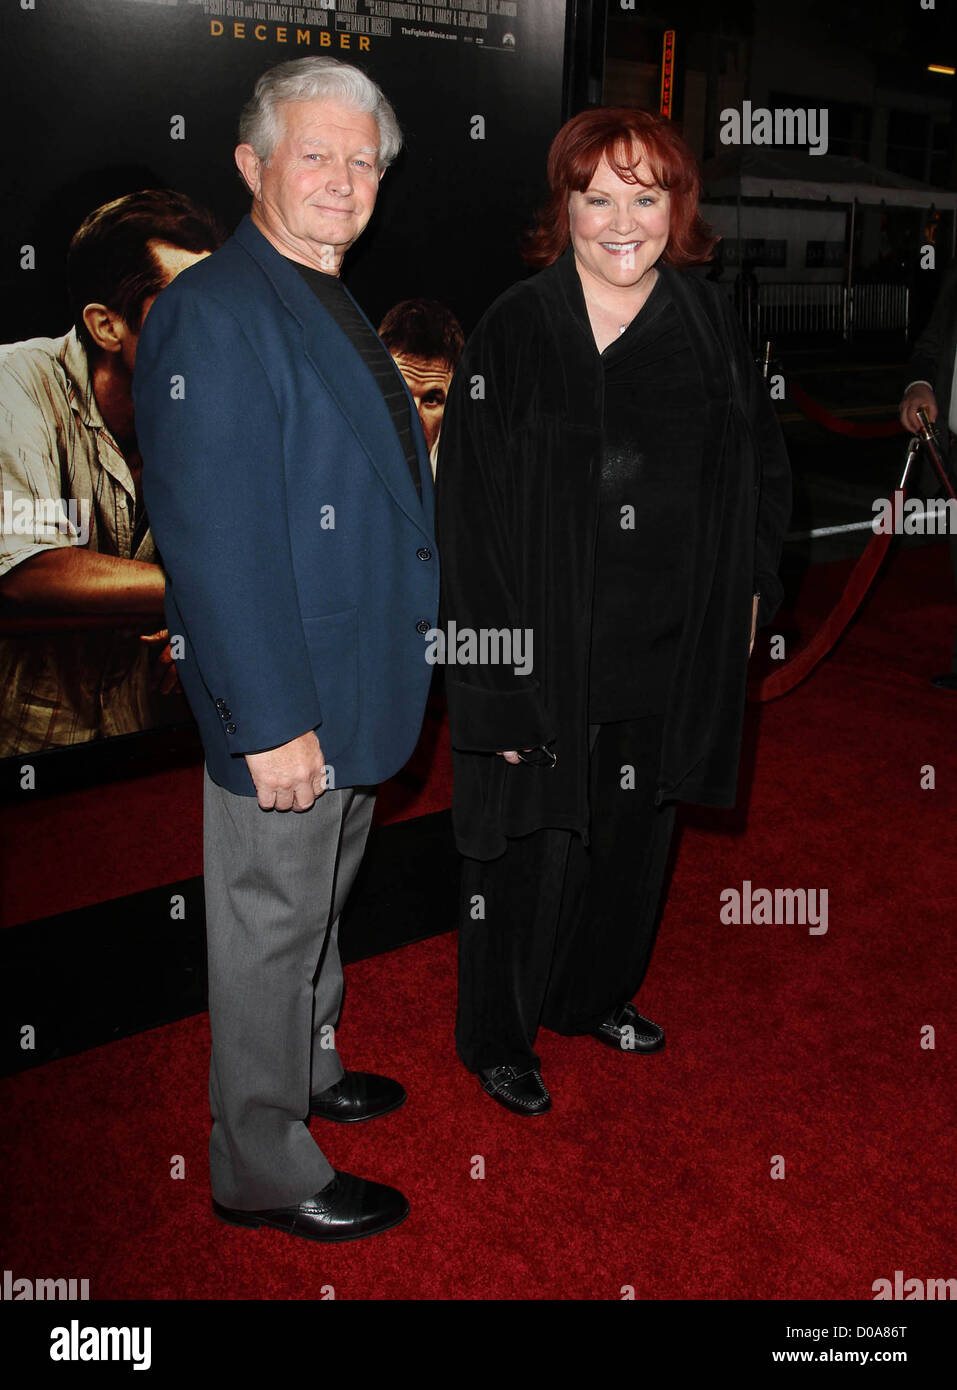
(512, 756)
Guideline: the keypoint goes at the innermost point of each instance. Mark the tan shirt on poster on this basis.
(59, 460)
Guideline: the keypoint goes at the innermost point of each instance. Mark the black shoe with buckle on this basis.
(626, 1030)
(522, 1092)
(359, 1095)
(347, 1209)
(948, 681)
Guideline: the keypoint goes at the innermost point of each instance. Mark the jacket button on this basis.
(230, 728)
(226, 713)
(423, 626)
(425, 553)
(220, 704)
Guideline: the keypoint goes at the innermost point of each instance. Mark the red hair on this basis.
(615, 131)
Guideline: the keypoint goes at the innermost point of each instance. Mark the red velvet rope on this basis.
(783, 680)
(824, 417)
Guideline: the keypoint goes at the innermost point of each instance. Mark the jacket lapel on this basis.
(344, 375)
(714, 360)
(561, 287)
(703, 333)
(579, 356)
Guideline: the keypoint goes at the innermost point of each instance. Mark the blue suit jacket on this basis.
(301, 565)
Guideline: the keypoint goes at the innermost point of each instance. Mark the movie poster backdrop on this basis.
(107, 99)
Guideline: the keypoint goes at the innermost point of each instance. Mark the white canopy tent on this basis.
(747, 171)
(766, 172)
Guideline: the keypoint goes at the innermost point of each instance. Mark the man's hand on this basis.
(291, 777)
(165, 677)
(919, 397)
(754, 620)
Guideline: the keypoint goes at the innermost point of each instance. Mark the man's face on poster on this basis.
(171, 260)
(110, 331)
(428, 380)
(319, 186)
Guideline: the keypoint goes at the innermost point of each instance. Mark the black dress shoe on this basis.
(522, 1092)
(626, 1030)
(945, 682)
(347, 1209)
(360, 1095)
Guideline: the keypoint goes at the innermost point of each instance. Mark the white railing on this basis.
(884, 307)
(783, 310)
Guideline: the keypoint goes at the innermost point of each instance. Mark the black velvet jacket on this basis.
(517, 506)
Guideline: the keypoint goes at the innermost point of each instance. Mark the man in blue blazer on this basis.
(290, 495)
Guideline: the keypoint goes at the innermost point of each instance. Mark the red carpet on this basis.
(653, 1172)
(139, 834)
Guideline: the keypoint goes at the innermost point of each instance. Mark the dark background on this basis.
(93, 85)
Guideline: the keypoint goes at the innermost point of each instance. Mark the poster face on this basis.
(119, 97)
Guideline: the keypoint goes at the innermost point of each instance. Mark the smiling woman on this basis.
(619, 228)
(619, 493)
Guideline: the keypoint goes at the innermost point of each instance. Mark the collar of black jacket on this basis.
(696, 300)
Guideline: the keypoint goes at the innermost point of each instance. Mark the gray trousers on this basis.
(276, 883)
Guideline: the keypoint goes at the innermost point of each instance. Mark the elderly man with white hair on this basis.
(289, 487)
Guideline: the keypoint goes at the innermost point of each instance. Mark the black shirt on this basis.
(654, 442)
(336, 300)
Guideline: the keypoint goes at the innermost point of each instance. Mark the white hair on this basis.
(312, 79)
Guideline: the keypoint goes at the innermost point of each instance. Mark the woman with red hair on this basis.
(612, 495)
